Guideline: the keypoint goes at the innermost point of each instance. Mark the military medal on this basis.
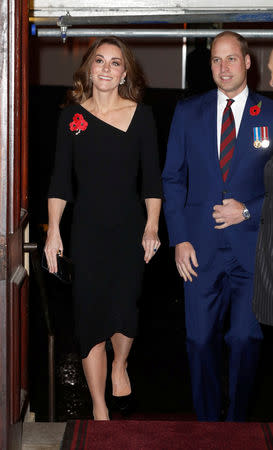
(265, 143)
(260, 137)
(265, 140)
(257, 143)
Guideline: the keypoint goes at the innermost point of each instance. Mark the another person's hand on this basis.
(53, 246)
(150, 243)
(229, 213)
(185, 258)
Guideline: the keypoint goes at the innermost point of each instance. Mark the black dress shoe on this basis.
(123, 404)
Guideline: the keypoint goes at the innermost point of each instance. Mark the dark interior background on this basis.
(158, 364)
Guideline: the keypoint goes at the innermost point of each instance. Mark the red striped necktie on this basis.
(228, 138)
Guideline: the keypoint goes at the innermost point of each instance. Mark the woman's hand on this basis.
(53, 246)
(150, 243)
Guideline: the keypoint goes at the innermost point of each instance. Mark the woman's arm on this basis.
(151, 182)
(54, 243)
(150, 240)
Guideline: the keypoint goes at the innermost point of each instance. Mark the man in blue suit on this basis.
(213, 184)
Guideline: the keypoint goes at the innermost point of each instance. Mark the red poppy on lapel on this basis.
(255, 110)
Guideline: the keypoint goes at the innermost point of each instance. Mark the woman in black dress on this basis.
(106, 143)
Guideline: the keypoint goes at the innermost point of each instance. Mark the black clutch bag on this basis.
(65, 268)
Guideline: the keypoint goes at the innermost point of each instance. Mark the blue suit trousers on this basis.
(222, 287)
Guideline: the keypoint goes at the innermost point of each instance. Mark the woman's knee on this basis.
(97, 350)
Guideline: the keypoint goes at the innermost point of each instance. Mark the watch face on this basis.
(246, 213)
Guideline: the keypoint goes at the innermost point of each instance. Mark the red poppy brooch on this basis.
(255, 110)
(78, 124)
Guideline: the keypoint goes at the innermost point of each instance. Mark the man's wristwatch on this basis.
(245, 212)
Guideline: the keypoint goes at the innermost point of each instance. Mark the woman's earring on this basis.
(91, 78)
(122, 81)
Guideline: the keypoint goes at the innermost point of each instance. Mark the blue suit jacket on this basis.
(193, 184)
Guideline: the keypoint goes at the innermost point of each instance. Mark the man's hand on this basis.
(229, 213)
(185, 256)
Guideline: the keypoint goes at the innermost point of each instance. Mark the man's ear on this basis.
(247, 61)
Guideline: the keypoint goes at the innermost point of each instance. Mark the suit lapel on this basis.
(210, 121)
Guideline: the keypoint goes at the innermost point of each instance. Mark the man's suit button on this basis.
(262, 221)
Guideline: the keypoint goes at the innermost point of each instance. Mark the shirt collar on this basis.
(222, 98)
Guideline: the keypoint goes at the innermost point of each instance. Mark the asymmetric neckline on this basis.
(107, 123)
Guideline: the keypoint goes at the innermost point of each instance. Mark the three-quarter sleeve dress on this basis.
(100, 168)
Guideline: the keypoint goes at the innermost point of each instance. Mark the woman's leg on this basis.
(95, 370)
(120, 380)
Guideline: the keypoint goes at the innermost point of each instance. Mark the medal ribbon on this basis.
(257, 133)
(264, 133)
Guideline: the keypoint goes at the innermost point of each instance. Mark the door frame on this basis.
(13, 211)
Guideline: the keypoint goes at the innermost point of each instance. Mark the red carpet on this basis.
(166, 435)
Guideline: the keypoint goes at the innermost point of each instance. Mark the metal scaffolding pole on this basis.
(146, 33)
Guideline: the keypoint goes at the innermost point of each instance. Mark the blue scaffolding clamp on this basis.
(33, 29)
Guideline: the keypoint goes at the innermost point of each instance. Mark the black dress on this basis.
(99, 168)
(263, 279)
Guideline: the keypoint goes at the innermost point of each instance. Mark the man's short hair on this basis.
(242, 41)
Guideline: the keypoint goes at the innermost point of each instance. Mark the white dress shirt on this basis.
(237, 107)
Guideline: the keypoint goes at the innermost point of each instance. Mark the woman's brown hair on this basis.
(133, 87)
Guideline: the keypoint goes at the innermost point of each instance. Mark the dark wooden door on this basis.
(13, 220)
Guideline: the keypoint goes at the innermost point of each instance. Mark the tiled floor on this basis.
(42, 435)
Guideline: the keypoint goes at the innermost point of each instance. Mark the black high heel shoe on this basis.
(124, 404)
